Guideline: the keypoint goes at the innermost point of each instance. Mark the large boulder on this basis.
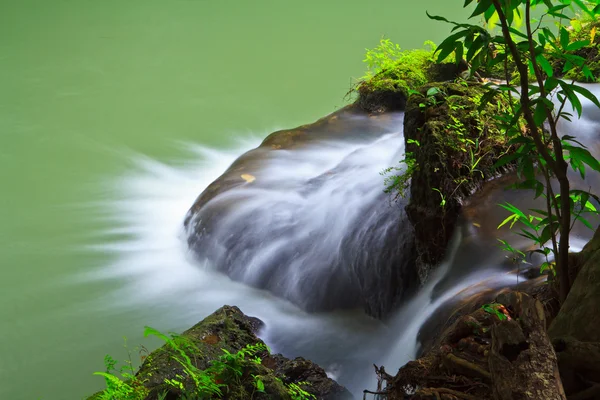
(579, 316)
(305, 216)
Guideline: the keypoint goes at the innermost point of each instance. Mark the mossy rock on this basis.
(389, 89)
(229, 329)
(454, 146)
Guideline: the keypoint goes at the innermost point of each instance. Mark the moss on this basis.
(454, 145)
(226, 329)
(388, 88)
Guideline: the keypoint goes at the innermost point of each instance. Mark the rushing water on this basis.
(100, 102)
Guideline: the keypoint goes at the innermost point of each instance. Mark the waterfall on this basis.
(314, 216)
(312, 223)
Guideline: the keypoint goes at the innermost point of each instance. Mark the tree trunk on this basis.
(522, 360)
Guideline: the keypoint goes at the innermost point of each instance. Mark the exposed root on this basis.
(438, 392)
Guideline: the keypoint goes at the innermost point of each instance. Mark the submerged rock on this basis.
(229, 329)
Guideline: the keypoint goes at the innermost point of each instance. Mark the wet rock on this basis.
(302, 370)
(473, 355)
(251, 223)
(454, 146)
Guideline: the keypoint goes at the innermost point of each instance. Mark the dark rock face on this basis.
(480, 356)
(454, 146)
(324, 241)
(579, 316)
(302, 370)
(229, 329)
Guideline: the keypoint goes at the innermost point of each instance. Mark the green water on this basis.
(81, 81)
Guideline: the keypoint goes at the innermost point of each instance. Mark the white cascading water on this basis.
(313, 225)
(152, 260)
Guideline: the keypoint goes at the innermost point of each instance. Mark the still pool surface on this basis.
(107, 109)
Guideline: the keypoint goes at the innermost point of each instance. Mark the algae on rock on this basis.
(230, 330)
(394, 74)
(453, 144)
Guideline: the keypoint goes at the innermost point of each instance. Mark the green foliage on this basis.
(531, 123)
(431, 96)
(121, 383)
(227, 371)
(399, 182)
(495, 309)
(460, 140)
(394, 70)
(383, 57)
(297, 393)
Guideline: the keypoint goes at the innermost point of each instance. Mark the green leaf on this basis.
(432, 91)
(572, 139)
(559, 15)
(564, 38)
(584, 7)
(547, 266)
(549, 35)
(151, 331)
(587, 73)
(557, 8)
(482, 7)
(539, 115)
(511, 218)
(489, 13)
(528, 235)
(450, 44)
(493, 309)
(476, 46)
(548, 232)
(586, 93)
(260, 386)
(507, 159)
(517, 33)
(568, 91)
(541, 60)
(575, 59)
(583, 155)
(550, 84)
(438, 18)
(577, 45)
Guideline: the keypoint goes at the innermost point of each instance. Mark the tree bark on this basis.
(522, 361)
